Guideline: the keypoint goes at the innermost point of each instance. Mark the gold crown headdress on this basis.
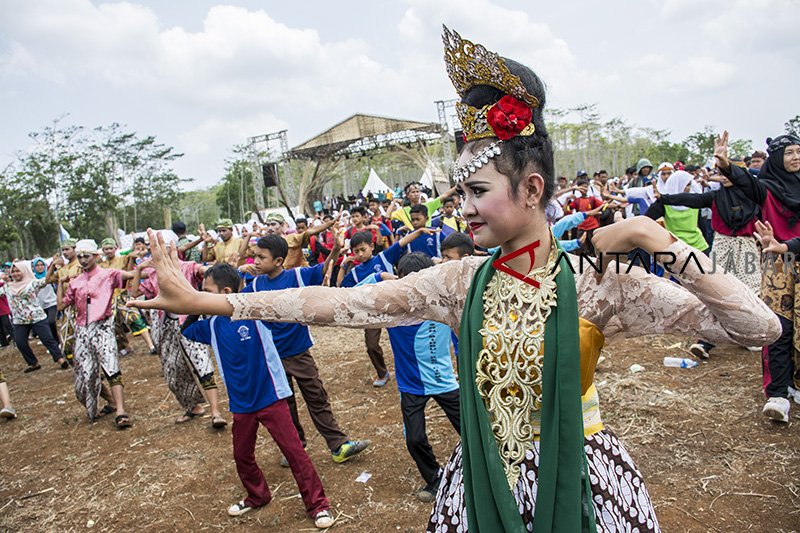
(470, 65)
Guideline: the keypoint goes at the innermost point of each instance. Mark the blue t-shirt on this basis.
(422, 358)
(430, 245)
(290, 339)
(383, 262)
(421, 355)
(247, 361)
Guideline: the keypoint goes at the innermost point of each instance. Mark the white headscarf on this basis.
(676, 184)
(27, 277)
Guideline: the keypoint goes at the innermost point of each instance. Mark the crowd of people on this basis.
(236, 303)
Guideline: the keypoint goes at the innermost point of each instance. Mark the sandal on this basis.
(217, 422)
(122, 421)
(188, 415)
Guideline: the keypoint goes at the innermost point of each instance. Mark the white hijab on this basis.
(676, 184)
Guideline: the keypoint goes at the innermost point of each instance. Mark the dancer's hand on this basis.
(721, 150)
(175, 293)
(766, 236)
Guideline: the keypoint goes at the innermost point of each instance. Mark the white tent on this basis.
(433, 178)
(374, 184)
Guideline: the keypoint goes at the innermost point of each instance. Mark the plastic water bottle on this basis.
(680, 362)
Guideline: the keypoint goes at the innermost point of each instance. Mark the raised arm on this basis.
(436, 293)
(405, 241)
(322, 227)
(716, 306)
(738, 176)
(688, 199)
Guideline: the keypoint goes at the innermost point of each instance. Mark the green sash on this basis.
(563, 502)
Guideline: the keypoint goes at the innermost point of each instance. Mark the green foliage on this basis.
(235, 196)
(199, 207)
(583, 141)
(86, 180)
(793, 126)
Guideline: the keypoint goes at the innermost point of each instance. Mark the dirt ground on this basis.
(712, 463)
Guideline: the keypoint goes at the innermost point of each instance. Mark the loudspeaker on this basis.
(270, 173)
(459, 134)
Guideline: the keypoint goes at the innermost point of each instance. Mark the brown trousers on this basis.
(303, 369)
(372, 338)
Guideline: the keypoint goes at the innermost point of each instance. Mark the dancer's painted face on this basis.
(493, 213)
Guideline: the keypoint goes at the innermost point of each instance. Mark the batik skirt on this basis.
(186, 364)
(95, 352)
(621, 501)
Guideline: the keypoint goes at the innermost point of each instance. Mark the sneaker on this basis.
(428, 493)
(381, 382)
(8, 412)
(349, 449)
(699, 350)
(153, 351)
(284, 462)
(239, 508)
(777, 409)
(323, 519)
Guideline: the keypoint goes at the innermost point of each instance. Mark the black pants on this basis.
(778, 362)
(52, 315)
(6, 330)
(413, 408)
(42, 330)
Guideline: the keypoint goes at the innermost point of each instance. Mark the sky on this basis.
(204, 75)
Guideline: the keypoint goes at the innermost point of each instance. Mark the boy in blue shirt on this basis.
(429, 245)
(424, 371)
(293, 342)
(449, 221)
(257, 391)
(349, 276)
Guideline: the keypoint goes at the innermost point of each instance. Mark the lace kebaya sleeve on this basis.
(437, 293)
(714, 307)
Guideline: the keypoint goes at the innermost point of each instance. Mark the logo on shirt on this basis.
(244, 333)
(430, 241)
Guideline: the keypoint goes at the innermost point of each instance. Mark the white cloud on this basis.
(230, 73)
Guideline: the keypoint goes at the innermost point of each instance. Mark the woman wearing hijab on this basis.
(777, 191)
(28, 315)
(47, 296)
(679, 219)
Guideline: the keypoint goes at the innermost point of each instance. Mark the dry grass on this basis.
(711, 462)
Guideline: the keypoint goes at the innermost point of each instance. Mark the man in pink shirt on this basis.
(91, 294)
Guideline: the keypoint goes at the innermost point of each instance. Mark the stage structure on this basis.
(355, 137)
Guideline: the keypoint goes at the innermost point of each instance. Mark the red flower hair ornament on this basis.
(508, 117)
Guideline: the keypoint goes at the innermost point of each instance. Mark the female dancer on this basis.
(777, 191)
(29, 315)
(534, 455)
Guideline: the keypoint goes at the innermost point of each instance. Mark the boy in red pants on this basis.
(257, 390)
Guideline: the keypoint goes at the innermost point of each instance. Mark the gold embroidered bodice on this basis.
(509, 367)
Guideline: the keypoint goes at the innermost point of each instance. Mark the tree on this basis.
(701, 145)
(85, 179)
(793, 126)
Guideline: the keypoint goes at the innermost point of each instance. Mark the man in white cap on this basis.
(91, 294)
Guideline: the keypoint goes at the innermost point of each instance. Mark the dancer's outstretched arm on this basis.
(436, 293)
